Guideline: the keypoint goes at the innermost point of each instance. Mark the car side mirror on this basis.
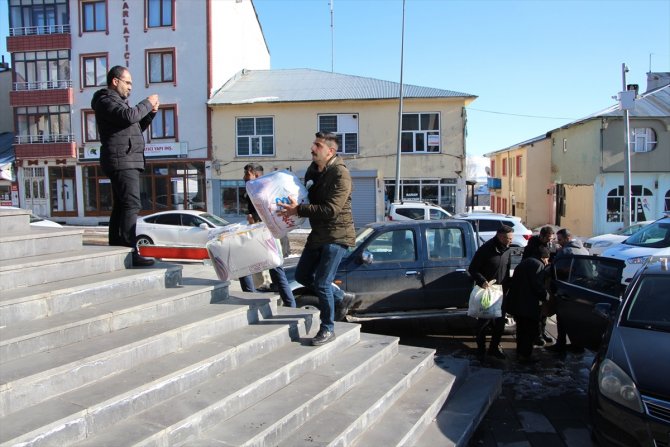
(366, 257)
(204, 226)
(603, 310)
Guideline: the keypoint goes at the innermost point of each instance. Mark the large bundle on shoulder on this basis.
(240, 250)
(266, 191)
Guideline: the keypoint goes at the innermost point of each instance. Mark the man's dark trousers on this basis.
(125, 207)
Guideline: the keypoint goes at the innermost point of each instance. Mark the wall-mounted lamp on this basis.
(216, 164)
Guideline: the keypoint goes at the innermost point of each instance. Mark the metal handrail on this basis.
(43, 85)
(41, 29)
(43, 138)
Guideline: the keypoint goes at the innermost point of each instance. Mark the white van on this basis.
(408, 210)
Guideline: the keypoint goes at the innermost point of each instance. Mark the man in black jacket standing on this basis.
(492, 261)
(122, 153)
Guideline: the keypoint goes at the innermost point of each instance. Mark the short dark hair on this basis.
(505, 229)
(564, 232)
(115, 73)
(253, 167)
(547, 230)
(543, 252)
(328, 137)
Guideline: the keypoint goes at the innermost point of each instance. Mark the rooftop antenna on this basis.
(332, 38)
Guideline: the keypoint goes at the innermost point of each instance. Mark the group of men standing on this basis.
(525, 292)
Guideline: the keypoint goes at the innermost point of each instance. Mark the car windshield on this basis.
(361, 236)
(649, 305)
(629, 230)
(215, 219)
(656, 235)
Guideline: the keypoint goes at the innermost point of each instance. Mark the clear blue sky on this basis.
(541, 58)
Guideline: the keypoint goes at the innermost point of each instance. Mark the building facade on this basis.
(270, 117)
(61, 51)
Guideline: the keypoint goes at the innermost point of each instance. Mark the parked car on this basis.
(629, 391)
(35, 221)
(408, 210)
(488, 223)
(177, 228)
(654, 239)
(598, 244)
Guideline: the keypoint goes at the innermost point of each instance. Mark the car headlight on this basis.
(638, 260)
(602, 244)
(615, 384)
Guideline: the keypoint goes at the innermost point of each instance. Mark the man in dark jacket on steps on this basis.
(329, 187)
(122, 153)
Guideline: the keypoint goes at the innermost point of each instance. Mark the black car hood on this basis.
(644, 355)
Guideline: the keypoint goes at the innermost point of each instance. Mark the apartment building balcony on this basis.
(40, 93)
(45, 146)
(36, 38)
(494, 183)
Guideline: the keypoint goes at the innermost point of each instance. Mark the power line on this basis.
(517, 114)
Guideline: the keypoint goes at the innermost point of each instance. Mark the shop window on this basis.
(641, 203)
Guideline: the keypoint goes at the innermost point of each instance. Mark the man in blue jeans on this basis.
(253, 171)
(329, 187)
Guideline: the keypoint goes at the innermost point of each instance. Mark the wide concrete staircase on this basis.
(94, 353)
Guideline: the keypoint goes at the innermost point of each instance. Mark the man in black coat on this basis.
(492, 261)
(122, 153)
(527, 292)
(544, 239)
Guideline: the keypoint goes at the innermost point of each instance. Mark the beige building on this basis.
(520, 182)
(270, 117)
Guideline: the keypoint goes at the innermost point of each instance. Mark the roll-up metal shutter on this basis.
(363, 200)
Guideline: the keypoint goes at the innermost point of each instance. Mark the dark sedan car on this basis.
(629, 392)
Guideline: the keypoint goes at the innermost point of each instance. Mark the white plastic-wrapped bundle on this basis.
(266, 191)
(241, 250)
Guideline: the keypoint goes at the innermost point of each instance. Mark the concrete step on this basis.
(39, 241)
(93, 408)
(276, 416)
(346, 418)
(67, 295)
(462, 413)
(26, 381)
(182, 418)
(43, 269)
(46, 334)
(14, 220)
(417, 408)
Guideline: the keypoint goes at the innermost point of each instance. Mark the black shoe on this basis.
(497, 352)
(323, 337)
(141, 261)
(342, 306)
(558, 348)
(539, 341)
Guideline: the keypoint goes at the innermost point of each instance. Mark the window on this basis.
(163, 124)
(445, 243)
(161, 65)
(43, 124)
(90, 127)
(393, 246)
(493, 168)
(345, 126)
(644, 139)
(160, 13)
(38, 70)
(503, 163)
(519, 161)
(420, 132)
(640, 204)
(29, 17)
(93, 16)
(255, 136)
(94, 70)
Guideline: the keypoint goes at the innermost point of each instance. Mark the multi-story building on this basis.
(61, 51)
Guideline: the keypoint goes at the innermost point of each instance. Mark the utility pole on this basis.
(626, 103)
(396, 196)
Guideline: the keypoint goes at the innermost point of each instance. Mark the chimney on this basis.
(657, 80)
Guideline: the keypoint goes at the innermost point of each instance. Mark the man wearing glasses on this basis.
(122, 153)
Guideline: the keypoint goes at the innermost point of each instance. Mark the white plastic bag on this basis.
(486, 303)
(241, 250)
(266, 191)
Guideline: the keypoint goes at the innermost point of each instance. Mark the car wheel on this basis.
(307, 301)
(144, 240)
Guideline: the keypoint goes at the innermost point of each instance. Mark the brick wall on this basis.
(26, 98)
(47, 150)
(39, 43)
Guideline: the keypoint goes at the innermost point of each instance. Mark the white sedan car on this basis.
(177, 228)
(35, 221)
(598, 244)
